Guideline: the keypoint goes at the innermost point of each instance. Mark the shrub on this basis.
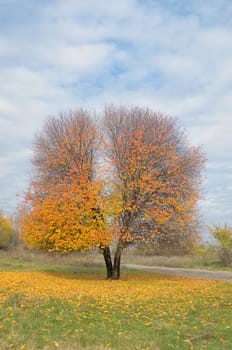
(223, 235)
(6, 231)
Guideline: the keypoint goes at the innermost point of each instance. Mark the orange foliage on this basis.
(64, 219)
(62, 209)
(156, 175)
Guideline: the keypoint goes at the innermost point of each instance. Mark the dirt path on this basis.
(201, 273)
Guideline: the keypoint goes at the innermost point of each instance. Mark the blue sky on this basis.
(174, 56)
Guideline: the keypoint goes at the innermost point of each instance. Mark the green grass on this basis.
(54, 323)
(194, 320)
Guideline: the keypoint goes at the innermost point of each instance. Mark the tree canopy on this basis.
(62, 208)
(130, 177)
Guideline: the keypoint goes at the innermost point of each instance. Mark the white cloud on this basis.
(82, 59)
(173, 56)
(6, 106)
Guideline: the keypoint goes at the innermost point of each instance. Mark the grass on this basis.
(209, 261)
(26, 260)
(51, 302)
(22, 259)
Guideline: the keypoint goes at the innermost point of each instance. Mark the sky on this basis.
(174, 56)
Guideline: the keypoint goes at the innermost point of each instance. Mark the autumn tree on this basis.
(155, 178)
(62, 209)
(147, 192)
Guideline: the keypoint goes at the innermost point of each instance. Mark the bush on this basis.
(223, 235)
(7, 231)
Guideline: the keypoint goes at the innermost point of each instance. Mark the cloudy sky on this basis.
(174, 56)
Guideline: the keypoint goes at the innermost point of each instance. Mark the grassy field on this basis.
(50, 302)
(209, 261)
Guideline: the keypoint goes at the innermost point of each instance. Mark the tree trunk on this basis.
(108, 262)
(117, 261)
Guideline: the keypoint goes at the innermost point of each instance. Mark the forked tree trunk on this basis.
(113, 270)
(117, 263)
(108, 262)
